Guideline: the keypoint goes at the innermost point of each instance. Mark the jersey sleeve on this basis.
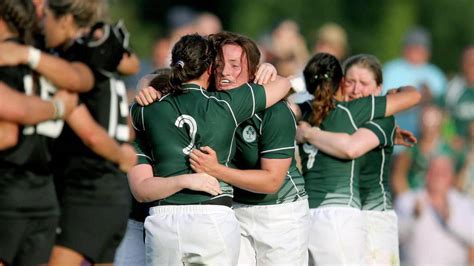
(245, 101)
(367, 109)
(142, 147)
(137, 117)
(278, 132)
(140, 143)
(384, 129)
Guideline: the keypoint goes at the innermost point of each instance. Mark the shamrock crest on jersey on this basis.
(249, 134)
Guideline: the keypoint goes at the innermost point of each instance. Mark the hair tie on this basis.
(180, 63)
(325, 76)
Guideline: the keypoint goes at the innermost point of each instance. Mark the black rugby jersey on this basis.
(80, 174)
(26, 187)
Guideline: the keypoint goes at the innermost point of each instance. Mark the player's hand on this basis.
(147, 96)
(69, 100)
(128, 157)
(301, 131)
(404, 138)
(203, 182)
(266, 72)
(393, 91)
(204, 160)
(13, 54)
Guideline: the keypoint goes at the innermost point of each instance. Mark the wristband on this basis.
(59, 109)
(34, 56)
(298, 84)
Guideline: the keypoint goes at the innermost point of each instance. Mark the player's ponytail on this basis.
(19, 16)
(191, 56)
(322, 75)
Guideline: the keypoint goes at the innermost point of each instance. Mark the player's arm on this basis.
(72, 76)
(8, 135)
(19, 108)
(276, 90)
(340, 145)
(401, 99)
(266, 180)
(97, 139)
(145, 187)
(129, 65)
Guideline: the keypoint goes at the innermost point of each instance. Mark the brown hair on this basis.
(368, 62)
(322, 75)
(19, 16)
(85, 12)
(249, 47)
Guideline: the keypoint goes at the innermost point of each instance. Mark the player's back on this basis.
(179, 123)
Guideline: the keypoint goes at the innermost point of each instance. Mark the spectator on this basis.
(465, 179)
(332, 39)
(208, 23)
(413, 68)
(410, 166)
(460, 95)
(436, 222)
(288, 48)
(161, 54)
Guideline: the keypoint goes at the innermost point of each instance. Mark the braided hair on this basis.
(191, 56)
(322, 75)
(19, 16)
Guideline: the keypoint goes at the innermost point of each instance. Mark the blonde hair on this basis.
(85, 12)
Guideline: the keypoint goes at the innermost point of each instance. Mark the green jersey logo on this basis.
(249, 134)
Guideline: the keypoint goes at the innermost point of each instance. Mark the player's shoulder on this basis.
(279, 108)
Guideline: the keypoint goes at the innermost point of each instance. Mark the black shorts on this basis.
(91, 230)
(26, 241)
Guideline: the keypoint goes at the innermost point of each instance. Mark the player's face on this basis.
(55, 29)
(359, 82)
(440, 175)
(234, 71)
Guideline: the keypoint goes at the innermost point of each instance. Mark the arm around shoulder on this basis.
(341, 145)
(401, 99)
(276, 90)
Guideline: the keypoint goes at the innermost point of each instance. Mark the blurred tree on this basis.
(373, 26)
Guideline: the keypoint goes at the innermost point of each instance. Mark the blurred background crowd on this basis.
(427, 44)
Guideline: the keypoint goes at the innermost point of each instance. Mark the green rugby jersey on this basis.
(270, 134)
(375, 167)
(179, 123)
(330, 181)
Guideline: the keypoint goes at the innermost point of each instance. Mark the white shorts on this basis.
(381, 231)
(192, 234)
(274, 234)
(337, 236)
(132, 248)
